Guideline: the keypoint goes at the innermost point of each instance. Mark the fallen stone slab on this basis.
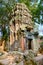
(39, 59)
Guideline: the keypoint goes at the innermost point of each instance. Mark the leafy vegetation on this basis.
(35, 8)
(5, 16)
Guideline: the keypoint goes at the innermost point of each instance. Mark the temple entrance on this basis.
(30, 44)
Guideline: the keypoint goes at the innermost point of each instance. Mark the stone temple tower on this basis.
(21, 18)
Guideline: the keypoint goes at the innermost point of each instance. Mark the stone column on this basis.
(35, 44)
(12, 38)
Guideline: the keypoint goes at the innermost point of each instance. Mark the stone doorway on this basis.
(29, 43)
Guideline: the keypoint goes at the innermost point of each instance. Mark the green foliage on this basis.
(5, 10)
(34, 8)
(5, 15)
(5, 35)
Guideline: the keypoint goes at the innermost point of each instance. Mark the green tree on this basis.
(5, 16)
(35, 7)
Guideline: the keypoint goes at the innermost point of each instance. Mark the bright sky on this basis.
(0, 33)
(40, 30)
(38, 1)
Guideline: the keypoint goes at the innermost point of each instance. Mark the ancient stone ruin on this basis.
(21, 18)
